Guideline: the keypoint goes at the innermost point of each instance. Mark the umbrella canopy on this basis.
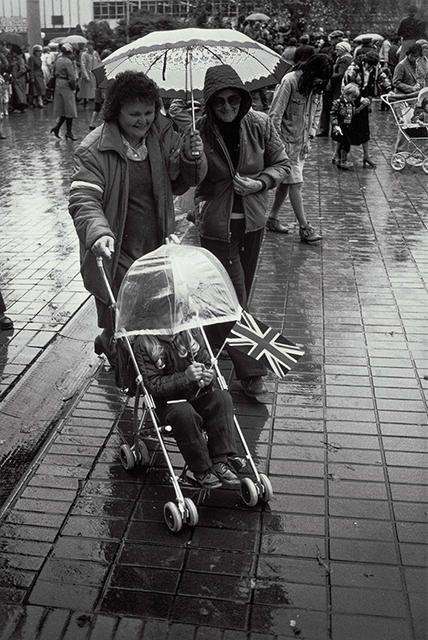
(260, 17)
(172, 289)
(12, 38)
(74, 39)
(368, 36)
(177, 60)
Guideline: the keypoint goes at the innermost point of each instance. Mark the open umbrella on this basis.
(172, 289)
(368, 36)
(10, 37)
(74, 39)
(260, 17)
(177, 60)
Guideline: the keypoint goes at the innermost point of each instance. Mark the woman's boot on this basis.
(69, 125)
(57, 127)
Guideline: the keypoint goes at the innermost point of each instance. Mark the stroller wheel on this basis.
(398, 161)
(425, 165)
(127, 457)
(267, 493)
(172, 517)
(249, 492)
(143, 454)
(192, 517)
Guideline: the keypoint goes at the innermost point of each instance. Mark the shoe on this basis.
(344, 166)
(2, 137)
(238, 464)
(92, 127)
(56, 132)
(207, 480)
(272, 224)
(369, 163)
(69, 136)
(309, 235)
(101, 347)
(322, 134)
(224, 474)
(253, 386)
(6, 323)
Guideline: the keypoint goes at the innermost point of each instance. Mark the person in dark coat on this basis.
(37, 80)
(178, 367)
(246, 158)
(64, 103)
(121, 194)
(367, 73)
(411, 28)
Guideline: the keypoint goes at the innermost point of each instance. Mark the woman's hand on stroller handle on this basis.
(103, 247)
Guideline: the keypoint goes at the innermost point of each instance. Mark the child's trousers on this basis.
(212, 412)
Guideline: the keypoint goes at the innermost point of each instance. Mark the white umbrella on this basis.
(177, 60)
(257, 17)
(75, 39)
(368, 36)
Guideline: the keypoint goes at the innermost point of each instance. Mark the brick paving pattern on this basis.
(340, 553)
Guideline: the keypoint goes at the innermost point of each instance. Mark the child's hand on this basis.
(194, 372)
(207, 377)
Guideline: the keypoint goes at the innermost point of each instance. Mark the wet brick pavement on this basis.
(341, 551)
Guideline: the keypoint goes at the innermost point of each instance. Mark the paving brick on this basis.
(366, 551)
(414, 554)
(361, 529)
(273, 619)
(353, 627)
(365, 576)
(53, 624)
(103, 628)
(291, 569)
(215, 613)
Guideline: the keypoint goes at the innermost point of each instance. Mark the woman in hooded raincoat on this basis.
(245, 158)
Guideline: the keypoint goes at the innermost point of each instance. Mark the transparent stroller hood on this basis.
(173, 288)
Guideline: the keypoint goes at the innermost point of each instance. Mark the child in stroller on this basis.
(176, 372)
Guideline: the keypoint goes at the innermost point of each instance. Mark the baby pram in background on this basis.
(411, 145)
(192, 285)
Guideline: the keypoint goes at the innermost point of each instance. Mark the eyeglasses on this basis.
(232, 101)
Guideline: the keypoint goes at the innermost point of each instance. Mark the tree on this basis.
(101, 34)
(141, 23)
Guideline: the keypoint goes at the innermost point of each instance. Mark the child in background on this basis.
(342, 112)
(178, 368)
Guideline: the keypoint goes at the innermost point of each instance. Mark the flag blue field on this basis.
(264, 344)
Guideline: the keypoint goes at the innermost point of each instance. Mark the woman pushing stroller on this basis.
(177, 368)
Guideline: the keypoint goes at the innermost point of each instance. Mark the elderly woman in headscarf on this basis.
(64, 104)
(37, 79)
(367, 73)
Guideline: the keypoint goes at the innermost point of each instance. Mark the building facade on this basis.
(66, 14)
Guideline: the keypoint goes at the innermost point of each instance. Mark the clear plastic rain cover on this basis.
(173, 288)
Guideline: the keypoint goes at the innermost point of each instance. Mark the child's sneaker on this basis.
(226, 475)
(309, 235)
(238, 464)
(207, 480)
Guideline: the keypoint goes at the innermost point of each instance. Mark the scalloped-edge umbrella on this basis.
(368, 36)
(177, 60)
(172, 289)
(75, 39)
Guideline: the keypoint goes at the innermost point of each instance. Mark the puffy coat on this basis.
(99, 190)
(165, 379)
(261, 155)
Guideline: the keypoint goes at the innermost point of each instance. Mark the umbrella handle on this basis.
(195, 154)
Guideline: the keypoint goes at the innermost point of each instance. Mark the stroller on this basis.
(197, 291)
(411, 145)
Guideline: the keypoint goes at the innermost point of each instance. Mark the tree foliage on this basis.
(101, 34)
(142, 23)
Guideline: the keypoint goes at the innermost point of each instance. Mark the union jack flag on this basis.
(264, 344)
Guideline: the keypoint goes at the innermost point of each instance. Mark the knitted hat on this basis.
(343, 47)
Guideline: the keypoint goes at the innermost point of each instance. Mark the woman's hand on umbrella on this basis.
(103, 247)
(192, 145)
(244, 186)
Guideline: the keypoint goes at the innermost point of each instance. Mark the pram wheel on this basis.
(267, 491)
(425, 165)
(249, 492)
(192, 517)
(143, 454)
(398, 161)
(127, 457)
(172, 517)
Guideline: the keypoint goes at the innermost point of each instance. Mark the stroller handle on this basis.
(100, 265)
